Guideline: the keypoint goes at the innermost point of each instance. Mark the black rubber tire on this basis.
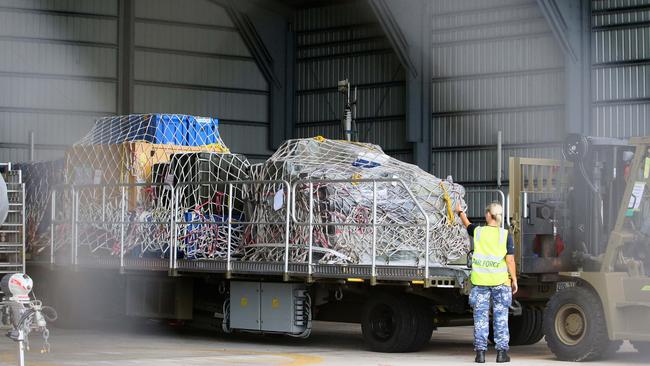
(389, 323)
(525, 329)
(425, 324)
(522, 327)
(537, 329)
(592, 343)
(642, 347)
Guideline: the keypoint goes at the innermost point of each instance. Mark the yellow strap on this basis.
(450, 211)
(356, 176)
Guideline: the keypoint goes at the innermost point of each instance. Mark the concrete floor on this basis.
(330, 344)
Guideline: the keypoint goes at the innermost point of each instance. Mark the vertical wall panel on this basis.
(496, 67)
(621, 68)
(58, 71)
(189, 58)
(345, 41)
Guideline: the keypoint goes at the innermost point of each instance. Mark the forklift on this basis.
(582, 226)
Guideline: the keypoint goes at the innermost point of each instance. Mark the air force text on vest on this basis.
(485, 263)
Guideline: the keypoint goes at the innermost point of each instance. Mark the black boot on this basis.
(502, 356)
(480, 357)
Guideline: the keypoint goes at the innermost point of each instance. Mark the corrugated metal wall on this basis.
(345, 41)
(189, 58)
(621, 67)
(496, 66)
(58, 72)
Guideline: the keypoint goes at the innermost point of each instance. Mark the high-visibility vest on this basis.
(489, 259)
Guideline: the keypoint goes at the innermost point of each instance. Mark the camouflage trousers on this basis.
(480, 299)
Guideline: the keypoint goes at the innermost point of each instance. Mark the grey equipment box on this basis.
(269, 307)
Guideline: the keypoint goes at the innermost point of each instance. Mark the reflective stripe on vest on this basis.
(489, 259)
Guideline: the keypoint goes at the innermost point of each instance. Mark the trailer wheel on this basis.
(522, 327)
(525, 329)
(537, 332)
(389, 323)
(574, 325)
(425, 324)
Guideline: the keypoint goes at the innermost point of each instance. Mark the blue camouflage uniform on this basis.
(500, 297)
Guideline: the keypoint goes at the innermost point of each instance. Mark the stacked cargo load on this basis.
(340, 208)
(40, 179)
(125, 169)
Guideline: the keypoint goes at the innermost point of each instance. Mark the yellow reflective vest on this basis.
(489, 259)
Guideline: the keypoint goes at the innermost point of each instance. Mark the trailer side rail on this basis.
(164, 227)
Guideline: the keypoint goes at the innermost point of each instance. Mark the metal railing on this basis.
(373, 224)
(112, 211)
(229, 220)
(102, 204)
(60, 220)
(502, 201)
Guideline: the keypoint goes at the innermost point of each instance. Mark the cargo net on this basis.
(126, 149)
(40, 178)
(342, 213)
(124, 171)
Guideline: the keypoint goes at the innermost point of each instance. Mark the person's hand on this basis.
(515, 287)
(459, 209)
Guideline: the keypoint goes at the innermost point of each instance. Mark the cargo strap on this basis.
(450, 211)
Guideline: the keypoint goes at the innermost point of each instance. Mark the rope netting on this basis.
(125, 169)
(400, 235)
(137, 159)
(39, 178)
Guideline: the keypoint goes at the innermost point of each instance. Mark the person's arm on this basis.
(512, 266)
(462, 215)
(512, 269)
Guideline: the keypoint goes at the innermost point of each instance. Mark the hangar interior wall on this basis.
(496, 67)
(345, 41)
(59, 71)
(620, 68)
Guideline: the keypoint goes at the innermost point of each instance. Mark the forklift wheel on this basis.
(574, 326)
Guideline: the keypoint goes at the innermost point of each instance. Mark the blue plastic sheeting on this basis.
(202, 130)
(363, 163)
(159, 129)
(175, 129)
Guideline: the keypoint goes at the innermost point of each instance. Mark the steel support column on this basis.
(407, 25)
(570, 21)
(267, 31)
(125, 56)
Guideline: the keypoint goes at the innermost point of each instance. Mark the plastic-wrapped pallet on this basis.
(400, 236)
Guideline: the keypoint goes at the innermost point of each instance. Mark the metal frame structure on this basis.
(539, 178)
(13, 252)
(450, 276)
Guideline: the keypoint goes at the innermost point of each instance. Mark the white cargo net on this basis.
(400, 238)
(123, 172)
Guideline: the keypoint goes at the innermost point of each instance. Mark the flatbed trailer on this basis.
(398, 306)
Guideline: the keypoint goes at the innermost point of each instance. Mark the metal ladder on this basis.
(12, 231)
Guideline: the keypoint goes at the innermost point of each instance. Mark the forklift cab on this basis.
(564, 211)
(605, 293)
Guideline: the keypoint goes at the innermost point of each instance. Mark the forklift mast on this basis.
(563, 211)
